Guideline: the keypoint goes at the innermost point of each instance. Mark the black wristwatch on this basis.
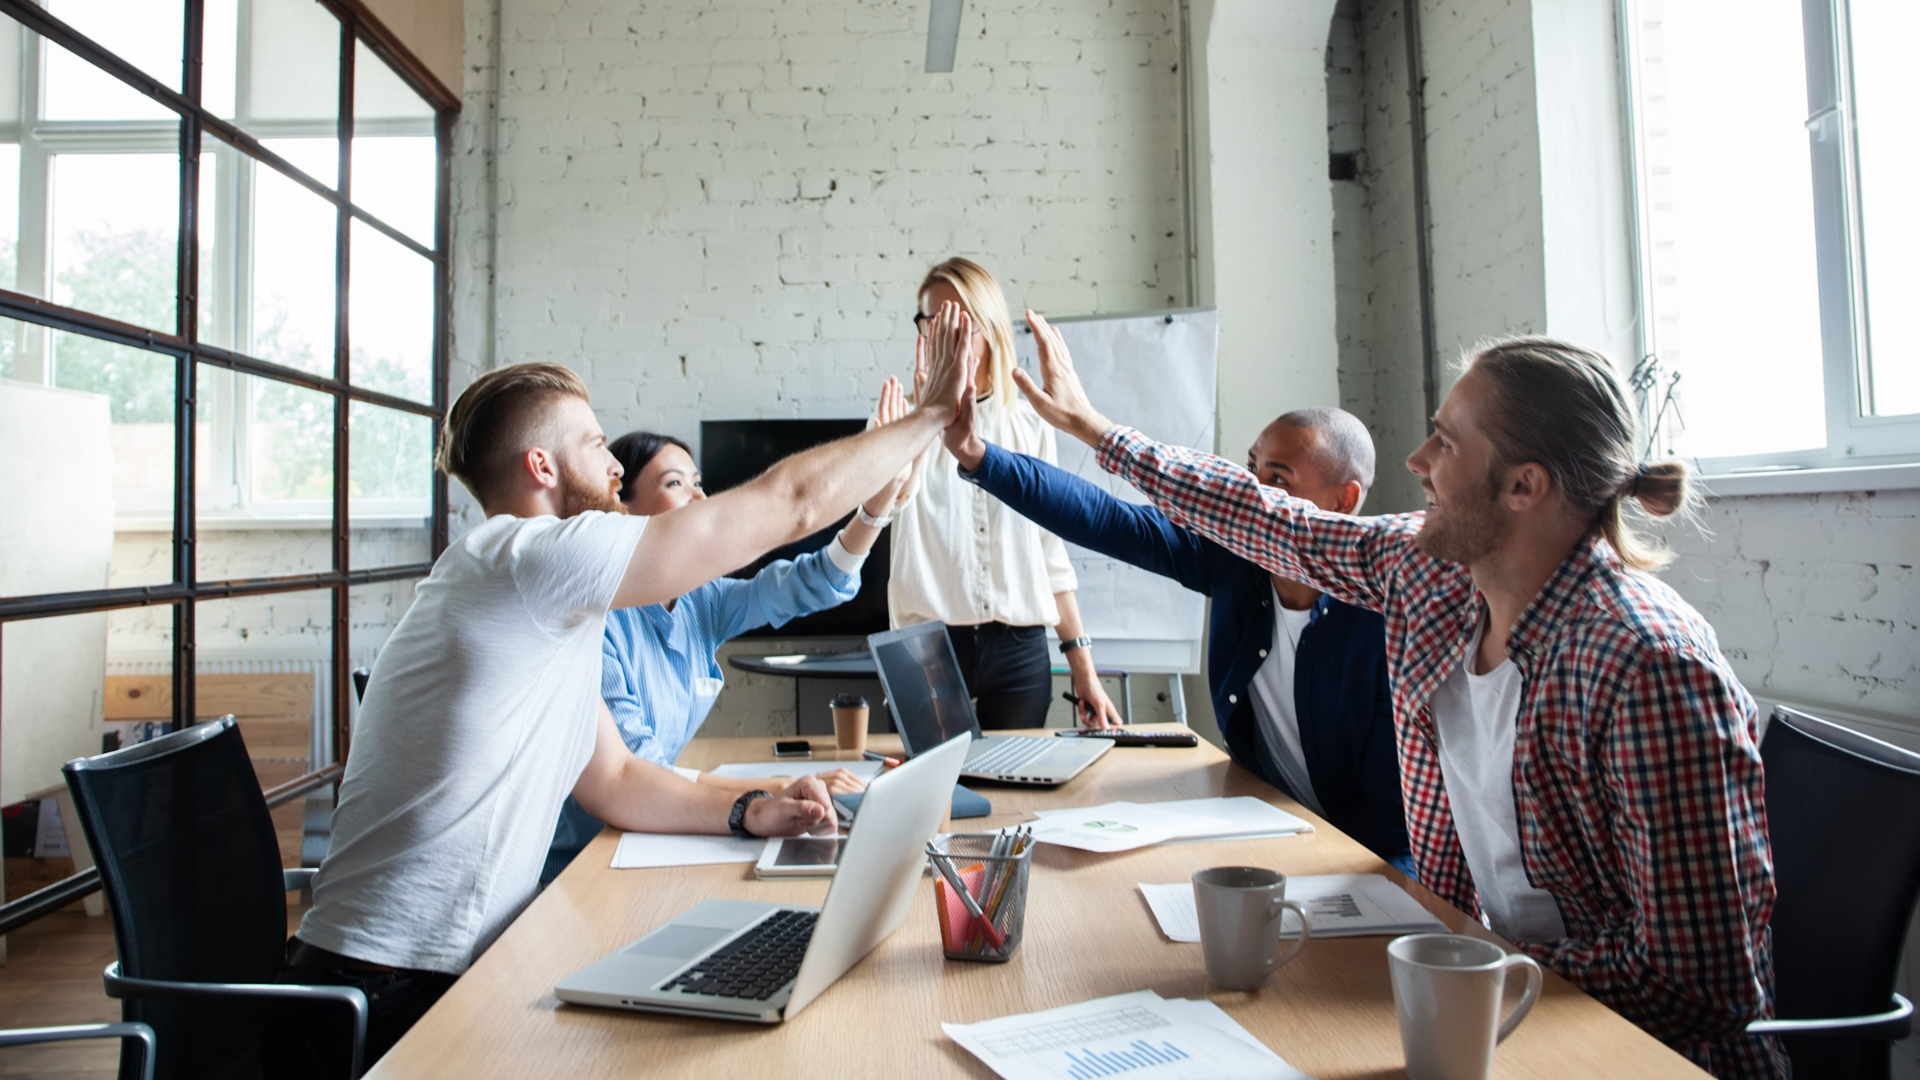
(1071, 644)
(737, 819)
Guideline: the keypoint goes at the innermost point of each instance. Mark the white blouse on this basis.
(960, 556)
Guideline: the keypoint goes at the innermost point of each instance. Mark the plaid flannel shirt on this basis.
(1637, 781)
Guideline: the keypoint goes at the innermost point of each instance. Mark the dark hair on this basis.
(635, 449)
(1563, 408)
(497, 418)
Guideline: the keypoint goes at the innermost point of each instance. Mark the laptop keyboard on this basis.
(754, 965)
(1006, 755)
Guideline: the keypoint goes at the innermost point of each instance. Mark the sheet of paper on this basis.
(1117, 826)
(1341, 905)
(768, 770)
(1242, 817)
(639, 851)
(1122, 1035)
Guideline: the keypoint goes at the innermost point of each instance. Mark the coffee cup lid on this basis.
(847, 701)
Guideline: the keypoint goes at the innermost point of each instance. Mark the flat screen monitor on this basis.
(733, 452)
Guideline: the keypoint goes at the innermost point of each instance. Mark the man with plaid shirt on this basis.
(1578, 760)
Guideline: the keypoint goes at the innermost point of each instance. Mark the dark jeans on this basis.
(1007, 672)
(315, 1041)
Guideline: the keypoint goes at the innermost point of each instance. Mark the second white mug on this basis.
(1446, 990)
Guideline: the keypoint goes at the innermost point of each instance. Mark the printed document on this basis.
(768, 770)
(1341, 905)
(1141, 1032)
(1117, 826)
(1242, 817)
(641, 851)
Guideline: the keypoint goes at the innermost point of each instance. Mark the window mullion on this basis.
(1827, 132)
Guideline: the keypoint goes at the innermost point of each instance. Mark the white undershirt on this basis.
(1273, 701)
(1474, 718)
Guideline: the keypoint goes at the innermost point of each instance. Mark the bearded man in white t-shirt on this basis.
(483, 711)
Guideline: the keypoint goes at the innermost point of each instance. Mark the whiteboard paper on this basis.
(1159, 376)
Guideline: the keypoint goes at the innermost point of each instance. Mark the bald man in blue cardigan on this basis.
(1298, 679)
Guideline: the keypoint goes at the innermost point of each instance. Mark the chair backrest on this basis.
(360, 677)
(191, 868)
(1843, 813)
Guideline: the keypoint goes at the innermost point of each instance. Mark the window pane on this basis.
(52, 678)
(290, 447)
(115, 231)
(136, 388)
(293, 68)
(219, 56)
(1734, 299)
(216, 266)
(9, 234)
(267, 661)
(390, 315)
(1885, 104)
(372, 613)
(293, 232)
(394, 180)
(391, 483)
(146, 33)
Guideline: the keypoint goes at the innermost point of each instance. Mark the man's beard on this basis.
(1467, 529)
(578, 493)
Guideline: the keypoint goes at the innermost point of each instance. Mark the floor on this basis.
(52, 977)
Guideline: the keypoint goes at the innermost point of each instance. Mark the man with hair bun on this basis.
(1578, 759)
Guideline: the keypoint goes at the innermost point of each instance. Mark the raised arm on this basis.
(1084, 514)
(1352, 558)
(800, 495)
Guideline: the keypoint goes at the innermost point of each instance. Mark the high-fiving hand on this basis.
(1059, 398)
(950, 361)
(893, 407)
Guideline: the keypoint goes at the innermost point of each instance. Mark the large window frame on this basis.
(1855, 436)
(201, 131)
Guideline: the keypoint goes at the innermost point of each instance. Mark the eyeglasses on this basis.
(923, 325)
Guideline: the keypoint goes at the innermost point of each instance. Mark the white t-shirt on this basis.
(479, 717)
(1274, 702)
(1474, 717)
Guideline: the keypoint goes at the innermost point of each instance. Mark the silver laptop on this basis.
(930, 704)
(743, 960)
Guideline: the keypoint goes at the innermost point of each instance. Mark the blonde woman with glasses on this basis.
(961, 557)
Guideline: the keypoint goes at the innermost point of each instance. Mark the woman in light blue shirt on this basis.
(659, 673)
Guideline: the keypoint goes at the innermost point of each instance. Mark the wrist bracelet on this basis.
(1071, 644)
(875, 522)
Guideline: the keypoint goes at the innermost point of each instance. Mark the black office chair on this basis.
(137, 1034)
(1843, 811)
(360, 677)
(191, 868)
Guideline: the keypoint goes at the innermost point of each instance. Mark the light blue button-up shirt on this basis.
(658, 671)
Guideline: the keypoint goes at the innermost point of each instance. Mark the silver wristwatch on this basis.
(876, 522)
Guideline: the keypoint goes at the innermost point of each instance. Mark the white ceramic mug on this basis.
(1239, 909)
(1446, 989)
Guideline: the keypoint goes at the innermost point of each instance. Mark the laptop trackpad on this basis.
(676, 941)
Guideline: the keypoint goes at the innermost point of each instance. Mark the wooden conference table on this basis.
(1088, 934)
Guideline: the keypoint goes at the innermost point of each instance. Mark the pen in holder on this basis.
(980, 892)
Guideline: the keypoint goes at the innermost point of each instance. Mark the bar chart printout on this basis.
(1132, 1035)
(1139, 1054)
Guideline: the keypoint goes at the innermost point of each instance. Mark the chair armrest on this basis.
(130, 1030)
(1895, 1023)
(299, 879)
(121, 986)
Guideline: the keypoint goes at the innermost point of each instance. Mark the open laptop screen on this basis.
(924, 687)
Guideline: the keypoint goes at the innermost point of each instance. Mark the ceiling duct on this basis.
(943, 34)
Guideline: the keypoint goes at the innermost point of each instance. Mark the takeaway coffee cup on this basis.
(849, 721)
(1446, 989)
(1239, 909)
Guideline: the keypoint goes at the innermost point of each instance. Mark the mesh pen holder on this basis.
(998, 885)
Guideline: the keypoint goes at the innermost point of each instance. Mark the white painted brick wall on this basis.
(724, 212)
(1816, 598)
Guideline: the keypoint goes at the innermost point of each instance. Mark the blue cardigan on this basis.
(1340, 671)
